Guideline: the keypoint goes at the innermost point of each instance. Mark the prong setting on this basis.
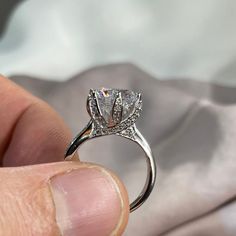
(113, 110)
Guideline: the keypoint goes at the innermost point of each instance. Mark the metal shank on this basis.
(134, 135)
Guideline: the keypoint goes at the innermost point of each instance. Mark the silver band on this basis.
(135, 136)
(130, 132)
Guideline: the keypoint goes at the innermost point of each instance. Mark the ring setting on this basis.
(115, 112)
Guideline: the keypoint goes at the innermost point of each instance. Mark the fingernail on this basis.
(87, 202)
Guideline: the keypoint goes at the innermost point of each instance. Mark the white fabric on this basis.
(191, 129)
(182, 38)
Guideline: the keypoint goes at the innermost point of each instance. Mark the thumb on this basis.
(65, 198)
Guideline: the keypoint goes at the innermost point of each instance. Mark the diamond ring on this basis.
(115, 111)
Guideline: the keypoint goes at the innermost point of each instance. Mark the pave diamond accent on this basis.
(113, 110)
(128, 133)
(117, 109)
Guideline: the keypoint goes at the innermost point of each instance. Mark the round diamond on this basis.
(113, 105)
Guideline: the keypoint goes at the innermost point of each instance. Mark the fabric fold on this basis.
(191, 128)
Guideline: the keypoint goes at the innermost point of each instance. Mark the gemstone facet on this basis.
(114, 109)
(105, 100)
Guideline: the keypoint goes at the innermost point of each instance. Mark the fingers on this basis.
(39, 136)
(67, 198)
(13, 102)
(31, 131)
(51, 199)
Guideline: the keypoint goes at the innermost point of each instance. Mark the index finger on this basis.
(31, 131)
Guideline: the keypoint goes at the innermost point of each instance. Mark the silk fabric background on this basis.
(48, 46)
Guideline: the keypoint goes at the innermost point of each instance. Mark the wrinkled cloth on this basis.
(191, 127)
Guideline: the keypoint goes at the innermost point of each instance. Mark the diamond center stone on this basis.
(113, 105)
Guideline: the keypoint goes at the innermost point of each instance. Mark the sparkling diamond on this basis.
(113, 105)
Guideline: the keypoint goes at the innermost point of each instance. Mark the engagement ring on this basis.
(115, 111)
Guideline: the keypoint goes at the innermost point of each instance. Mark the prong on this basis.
(99, 109)
(117, 109)
(91, 91)
(97, 114)
(91, 96)
(139, 97)
(139, 101)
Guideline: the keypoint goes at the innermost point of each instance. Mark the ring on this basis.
(115, 111)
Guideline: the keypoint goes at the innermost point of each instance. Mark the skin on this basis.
(27, 123)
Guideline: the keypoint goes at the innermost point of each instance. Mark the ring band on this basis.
(115, 111)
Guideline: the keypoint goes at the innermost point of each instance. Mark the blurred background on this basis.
(169, 39)
(182, 55)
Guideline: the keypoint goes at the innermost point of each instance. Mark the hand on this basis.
(68, 198)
